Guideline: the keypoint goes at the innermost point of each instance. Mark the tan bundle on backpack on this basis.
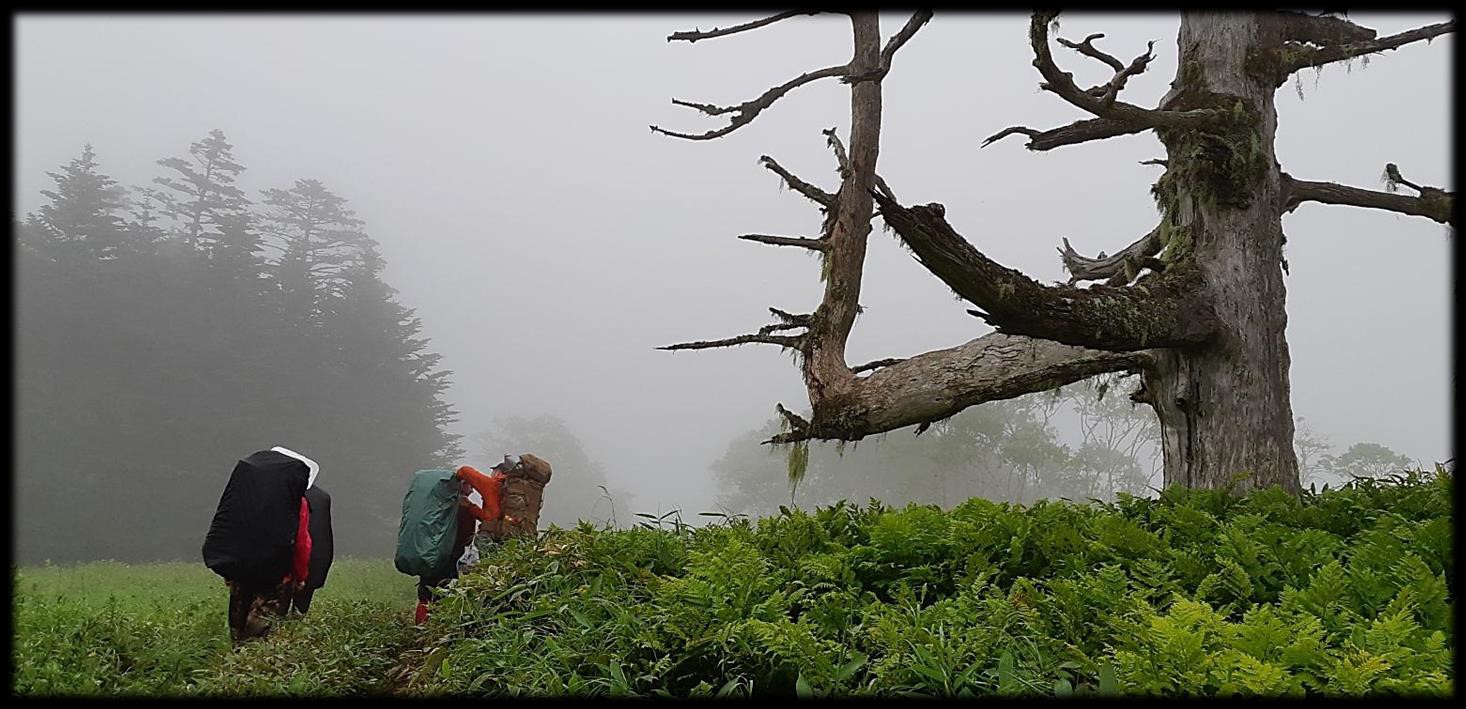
(524, 488)
(536, 467)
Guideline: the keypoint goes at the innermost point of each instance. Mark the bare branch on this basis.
(1168, 311)
(1088, 49)
(798, 427)
(765, 334)
(1321, 29)
(1062, 83)
(833, 140)
(790, 341)
(1432, 203)
(1121, 268)
(1298, 56)
(1116, 84)
(935, 385)
(813, 193)
(695, 35)
(877, 364)
(802, 242)
(749, 110)
(1073, 134)
(1155, 161)
(885, 188)
(920, 18)
(791, 319)
(1011, 130)
(1393, 179)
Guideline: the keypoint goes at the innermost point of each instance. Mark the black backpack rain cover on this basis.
(253, 533)
(322, 549)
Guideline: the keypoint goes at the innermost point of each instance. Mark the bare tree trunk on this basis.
(826, 374)
(1224, 405)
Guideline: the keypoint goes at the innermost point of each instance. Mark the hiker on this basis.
(321, 543)
(490, 488)
(468, 516)
(259, 540)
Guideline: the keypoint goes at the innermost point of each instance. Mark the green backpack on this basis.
(429, 523)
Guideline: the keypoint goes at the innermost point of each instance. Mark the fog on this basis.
(550, 242)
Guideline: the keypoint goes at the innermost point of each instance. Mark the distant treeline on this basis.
(164, 332)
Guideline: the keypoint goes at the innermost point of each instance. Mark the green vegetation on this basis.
(1343, 592)
(111, 629)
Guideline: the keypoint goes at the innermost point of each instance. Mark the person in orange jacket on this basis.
(489, 487)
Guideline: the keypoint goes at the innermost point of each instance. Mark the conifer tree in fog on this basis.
(209, 212)
(164, 335)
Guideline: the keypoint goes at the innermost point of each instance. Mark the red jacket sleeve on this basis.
(301, 567)
(477, 512)
(488, 486)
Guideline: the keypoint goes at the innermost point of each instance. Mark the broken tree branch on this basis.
(800, 241)
(1120, 269)
(798, 427)
(1393, 179)
(791, 319)
(877, 364)
(1168, 312)
(695, 35)
(1073, 134)
(884, 188)
(1431, 203)
(841, 159)
(1321, 30)
(1297, 56)
(935, 385)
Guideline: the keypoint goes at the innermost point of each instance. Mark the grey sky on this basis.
(549, 241)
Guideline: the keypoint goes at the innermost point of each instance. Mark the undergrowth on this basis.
(1345, 592)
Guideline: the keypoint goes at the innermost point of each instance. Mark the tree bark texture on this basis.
(1224, 407)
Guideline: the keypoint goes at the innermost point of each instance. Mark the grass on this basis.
(114, 629)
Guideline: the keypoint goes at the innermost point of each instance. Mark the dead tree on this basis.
(1195, 306)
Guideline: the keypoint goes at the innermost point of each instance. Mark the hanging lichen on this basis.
(798, 464)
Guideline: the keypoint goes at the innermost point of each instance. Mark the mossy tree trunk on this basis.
(1224, 405)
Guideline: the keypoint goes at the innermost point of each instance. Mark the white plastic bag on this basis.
(469, 558)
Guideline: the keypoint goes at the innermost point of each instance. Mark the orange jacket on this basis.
(490, 487)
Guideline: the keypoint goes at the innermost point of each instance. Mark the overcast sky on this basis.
(550, 242)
